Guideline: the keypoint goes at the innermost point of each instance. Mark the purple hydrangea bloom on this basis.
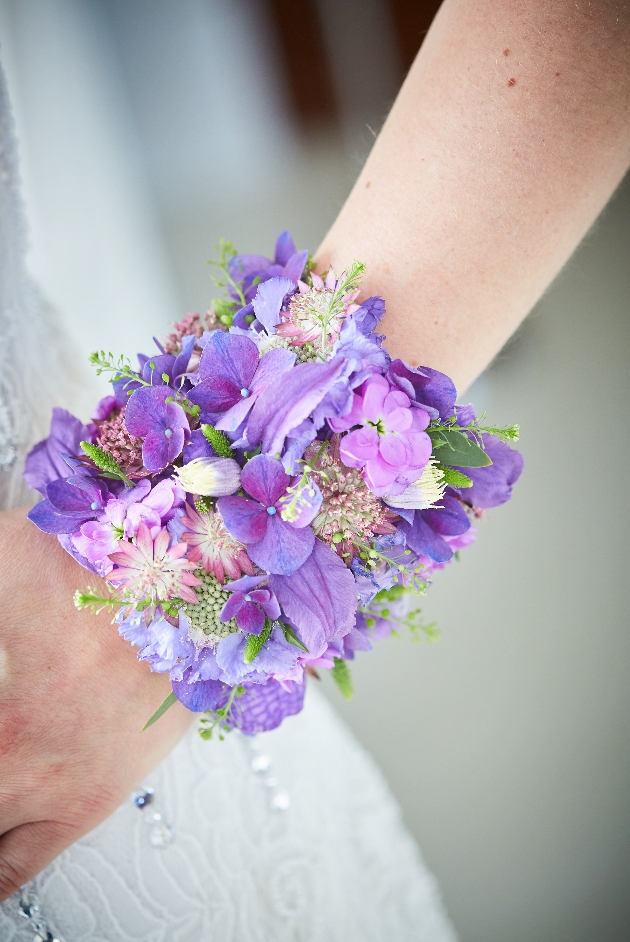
(369, 315)
(232, 377)
(431, 390)
(98, 538)
(263, 707)
(249, 604)
(492, 485)
(200, 695)
(272, 543)
(69, 504)
(288, 401)
(252, 270)
(153, 369)
(45, 461)
(426, 533)
(163, 426)
(268, 302)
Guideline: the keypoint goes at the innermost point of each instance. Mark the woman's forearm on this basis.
(510, 134)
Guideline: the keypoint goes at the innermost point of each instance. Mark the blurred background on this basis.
(148, 130)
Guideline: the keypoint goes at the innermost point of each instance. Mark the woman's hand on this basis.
(73, 701)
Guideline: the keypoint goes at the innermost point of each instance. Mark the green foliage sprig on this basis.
(105, 462)
(255, 643)
(343, 678)
(217, 720)
(412, 577)
(412, 621)
(219, 441)
(226, 251)
(106, 363)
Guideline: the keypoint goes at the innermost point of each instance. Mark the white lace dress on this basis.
(292, 835)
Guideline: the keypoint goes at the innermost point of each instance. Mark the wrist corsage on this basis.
(267, 493)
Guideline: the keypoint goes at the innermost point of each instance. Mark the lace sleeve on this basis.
(31, 342)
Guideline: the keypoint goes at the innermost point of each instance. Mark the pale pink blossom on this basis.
(211, 544)
(148, 569)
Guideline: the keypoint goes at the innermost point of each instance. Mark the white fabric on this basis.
(337, 865)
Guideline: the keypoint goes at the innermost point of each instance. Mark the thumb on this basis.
(27, 849)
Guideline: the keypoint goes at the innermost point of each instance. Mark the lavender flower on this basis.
(45, 462)
(391, 446)
(69, 504)
(251, 270)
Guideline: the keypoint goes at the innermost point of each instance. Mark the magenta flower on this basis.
(391, 444)
(272, 543)
(212, 545)
(163, 426)
(249, 604)
(148, 569)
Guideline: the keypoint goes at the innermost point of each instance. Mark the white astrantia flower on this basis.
(210, 477)
(426, 492)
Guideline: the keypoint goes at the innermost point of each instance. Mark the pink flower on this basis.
(156, 508)
(315, 314)
(392, 445)
(148, 569)
(211, 543)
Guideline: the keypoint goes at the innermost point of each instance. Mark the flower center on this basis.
(379, 425)
(271, 511)
(168, 432)
(248, 598)
(244, 392)
(94, 505)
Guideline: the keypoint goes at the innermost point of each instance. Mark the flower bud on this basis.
(210, 477)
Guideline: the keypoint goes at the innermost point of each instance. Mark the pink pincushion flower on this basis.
(148, 569)
(391, 444)
(211, 544)
(315, 314)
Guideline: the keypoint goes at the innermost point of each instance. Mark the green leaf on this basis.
(255, 643)
(105, 462)
(163, 707)
(453, 448)
(342, 677)
(219, 441)
(292, 638)
(455, 478)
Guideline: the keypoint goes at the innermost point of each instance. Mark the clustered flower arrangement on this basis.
(267, 493)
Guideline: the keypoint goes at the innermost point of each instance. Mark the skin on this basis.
(510, 134)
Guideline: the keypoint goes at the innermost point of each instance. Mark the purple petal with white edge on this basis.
(263, 707)
(448, 520)
(268, 301)
(432, 389)
(251, 619)
(492, 485)
(295, 266)
(285, 248)
(288, 400)
(265, 479)
(283, 549)
(245, 519)
(320, 598)
(44, 462)
(202, 695)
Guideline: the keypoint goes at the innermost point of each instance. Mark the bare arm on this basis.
(510, 134)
